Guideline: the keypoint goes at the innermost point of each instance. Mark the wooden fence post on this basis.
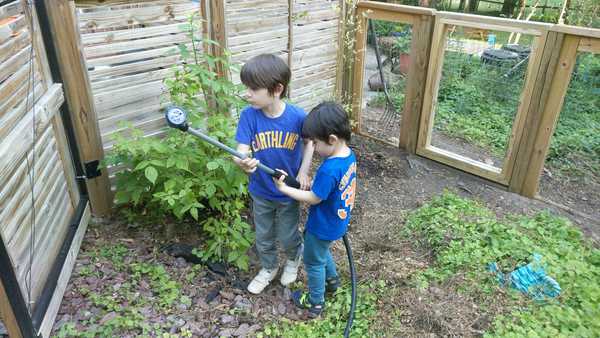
(290, 40)
(339, 74)
(218, 33)
(422, 32)
(6, 313)
(552, 80)
(80, 102)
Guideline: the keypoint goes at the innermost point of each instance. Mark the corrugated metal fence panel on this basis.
(32, 170)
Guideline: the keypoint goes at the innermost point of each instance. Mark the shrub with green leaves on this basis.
(465, 237)
(183, 176)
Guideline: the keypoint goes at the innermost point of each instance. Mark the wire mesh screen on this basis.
(571, 172)
(387, 61)
(479, 93)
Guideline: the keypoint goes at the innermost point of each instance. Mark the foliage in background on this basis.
(396, 92)
(478, 103)
(575, 145)
(182, 176)
(464, 237)
(584, 13)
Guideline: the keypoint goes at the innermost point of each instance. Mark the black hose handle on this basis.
(289, 180)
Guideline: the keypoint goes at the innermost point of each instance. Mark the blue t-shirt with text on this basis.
(335, 185)
(275, 142)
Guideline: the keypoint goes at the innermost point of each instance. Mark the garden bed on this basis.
(126, 284)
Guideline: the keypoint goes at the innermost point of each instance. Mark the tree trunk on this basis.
(461, 5)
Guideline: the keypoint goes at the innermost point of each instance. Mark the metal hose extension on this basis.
(353, 283)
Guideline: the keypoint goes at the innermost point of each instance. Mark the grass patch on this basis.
(464, 237)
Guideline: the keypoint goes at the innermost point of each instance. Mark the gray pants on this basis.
(276, 221)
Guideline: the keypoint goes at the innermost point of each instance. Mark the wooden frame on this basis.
(424, 148)
(79, 98)
(421, 20)
(544, 117)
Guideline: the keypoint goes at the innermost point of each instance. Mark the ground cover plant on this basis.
(465, 237)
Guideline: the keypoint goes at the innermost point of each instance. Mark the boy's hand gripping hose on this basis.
(177, 118)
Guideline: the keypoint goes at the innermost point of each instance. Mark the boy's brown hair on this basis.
(266, 71)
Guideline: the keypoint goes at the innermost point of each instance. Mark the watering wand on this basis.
(177, 118)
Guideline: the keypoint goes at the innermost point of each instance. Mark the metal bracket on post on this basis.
(92, 170)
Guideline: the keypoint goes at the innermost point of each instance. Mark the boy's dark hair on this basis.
(266, 71)
(327, 118)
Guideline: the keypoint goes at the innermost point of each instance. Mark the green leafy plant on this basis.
(333, 321)
(182, 176)
(465, 236)
(396, 92)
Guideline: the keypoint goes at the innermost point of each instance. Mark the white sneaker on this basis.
(290, 270)
(262, 279)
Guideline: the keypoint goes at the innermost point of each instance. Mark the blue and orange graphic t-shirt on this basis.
(275, 142)
(335, 185)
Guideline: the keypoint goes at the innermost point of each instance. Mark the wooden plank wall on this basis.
(254, 27)
(130, 48)
(314, 53)
(261, 26)
(36, 166)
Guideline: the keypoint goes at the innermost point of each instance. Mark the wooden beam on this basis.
(589, 45)
(378, 14)
(65, 274)
(7, 315)
(434, 74)
(66, 159)
(417, 77)
(218, 32)
(509, 25)
(13, 309)
(575, 30)
(517, 131)
(359, 66)
(552, 80)
(290, 45)
(373, 5)
(341, 62)
(68, 48)
(38, 42)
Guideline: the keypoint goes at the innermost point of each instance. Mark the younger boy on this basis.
(269, 129)
(331, 198)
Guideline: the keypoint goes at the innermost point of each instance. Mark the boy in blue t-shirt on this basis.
(270, 130)
(331, 198)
